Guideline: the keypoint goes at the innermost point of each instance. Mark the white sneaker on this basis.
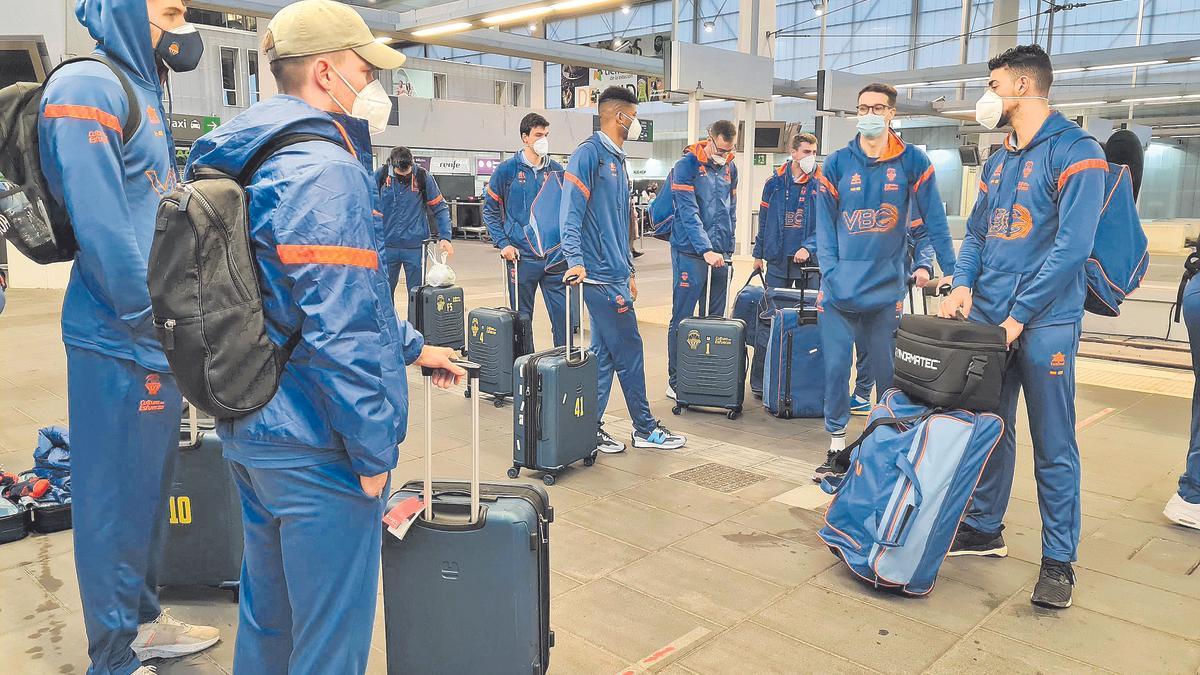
(660, 438)
(146, 670)
(167, 637)
(670, 392)
(607, 444)
(1182, 513)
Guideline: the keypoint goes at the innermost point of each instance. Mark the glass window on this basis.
(501, 90)
(439, 85)
(518, 93)
(252, 76)
(229, 59)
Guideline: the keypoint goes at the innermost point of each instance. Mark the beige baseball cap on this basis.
(313, 27)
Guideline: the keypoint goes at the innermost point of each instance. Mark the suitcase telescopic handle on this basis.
(571, 346)
(516, 269)
(708, 289)
(194, 423)
(473, 370)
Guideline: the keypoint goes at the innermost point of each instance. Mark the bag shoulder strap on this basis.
(1191, 267)
(133, 121)
(275, 145)
(842, 459)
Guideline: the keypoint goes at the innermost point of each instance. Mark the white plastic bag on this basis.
(440, 273)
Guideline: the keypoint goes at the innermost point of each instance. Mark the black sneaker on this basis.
(831, 467)
(1054, 584)
(970, 541)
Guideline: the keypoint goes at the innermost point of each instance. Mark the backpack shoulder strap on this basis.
(134, 119)
(275, 145)
(422, 177)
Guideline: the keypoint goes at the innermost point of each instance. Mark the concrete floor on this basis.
(653, 573)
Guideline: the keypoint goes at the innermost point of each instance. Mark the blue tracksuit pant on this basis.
(310, 575)
(124, 441)
(531, 273)
(690, 275)
(1189, 482)
(1044, 365)
(409, 259)
(617, 345)
(875, 332)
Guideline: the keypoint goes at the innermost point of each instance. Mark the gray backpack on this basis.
(208, 310)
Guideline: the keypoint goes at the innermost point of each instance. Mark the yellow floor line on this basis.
(1133, 377)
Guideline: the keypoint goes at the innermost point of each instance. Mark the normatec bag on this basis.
(950, 363)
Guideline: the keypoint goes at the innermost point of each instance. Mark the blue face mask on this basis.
(180, 49)
(359, 132)
(871, 126)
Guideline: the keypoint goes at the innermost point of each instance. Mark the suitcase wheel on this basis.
(498, 401)
(589, 460)
(548, 479)
(677, 410)
(734, 414)
(513, 472)
(467, 392)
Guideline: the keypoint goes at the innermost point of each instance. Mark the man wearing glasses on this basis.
(703, 188)
(867, 191)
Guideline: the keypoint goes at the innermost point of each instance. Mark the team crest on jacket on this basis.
(1058, 364)
(1028, 169)
(153, 385)
(612, 166)
(872, 220)
(1015, 225)
(891, 173)
(521, 177)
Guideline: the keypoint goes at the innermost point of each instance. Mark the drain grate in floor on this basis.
(718, 477)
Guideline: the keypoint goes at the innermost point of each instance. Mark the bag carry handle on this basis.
(762, 279)
(571, 346)
(901, 532)
(427, 489)
(704, 311)
(831, 484)
(516, 268)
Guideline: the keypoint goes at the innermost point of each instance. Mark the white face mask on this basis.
(989, 109)
(808, 163)
(634, 130)
(541, 146)
(371, 103)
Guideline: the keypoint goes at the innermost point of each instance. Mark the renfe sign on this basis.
(444, 165)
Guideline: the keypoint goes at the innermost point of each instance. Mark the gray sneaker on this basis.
(607, 444)
(1054, 584)
(660, 438)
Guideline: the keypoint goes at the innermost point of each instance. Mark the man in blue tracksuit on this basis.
(1184, 506)
(311, 467)
(1022, 267)
(405, 191)
(787, 231)
(595, 241)
(506, 206)
(704, 195)
(867, 189)
(124, 405)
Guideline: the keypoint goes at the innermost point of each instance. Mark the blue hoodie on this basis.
(787, 220)
(509, 198)
(317, 244)
(861, 240)
(705, 199)
(595, 212)
(404, 220)
(1032, 227)
(109, 185)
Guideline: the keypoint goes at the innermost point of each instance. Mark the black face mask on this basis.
(403, 166)
(180, 49)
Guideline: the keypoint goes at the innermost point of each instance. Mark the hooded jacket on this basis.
(509, 199)
(704, 196)
(109, 185)
(317, 243)
(861, 238)
(404, 222)
(595, 212)
(787, 219)
(1033, 226)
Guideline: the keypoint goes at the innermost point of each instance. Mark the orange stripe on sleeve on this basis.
(587, 194)
(83, 112)
(436, 200)
(983, 186)
(1081, 166)
(916, 222)
(829, 186)
(495, 196)
(377, 213)
(298, 254)
(924, 177)
(682, 188)
(765, 205)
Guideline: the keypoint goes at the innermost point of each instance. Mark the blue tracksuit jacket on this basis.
(860, 234)
(595, 212)
(318, 245)
(704, 196)
(508, 200)
(1032, 227)
(787, 220)
(110, 185)
(404, 222)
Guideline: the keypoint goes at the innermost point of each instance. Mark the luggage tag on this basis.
(402, 516)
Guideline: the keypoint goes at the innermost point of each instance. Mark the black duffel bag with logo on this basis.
(950, 363)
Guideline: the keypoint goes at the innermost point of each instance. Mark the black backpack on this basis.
(43, 230)
(208, 310)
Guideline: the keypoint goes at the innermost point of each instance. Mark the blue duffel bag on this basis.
(746, 304)
(908, 482)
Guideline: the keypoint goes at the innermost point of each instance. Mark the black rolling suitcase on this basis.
(437, 311)
(497, 337)
(555, 406)
(203, 545)
(467, 590)
(710, 365)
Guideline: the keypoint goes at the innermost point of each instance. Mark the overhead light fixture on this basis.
(616, 43)
(810, 93)
(443, 29)
(567, 5)
(1116, 66)
(1152, 99)
(624, 9)
(709, 26)
(1079, 105)
(1196, 58)
(958, 112)
(912, 84)
(1064, 71)
(532, 27)
(513, 17)
(818, 7)
(383, 40)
